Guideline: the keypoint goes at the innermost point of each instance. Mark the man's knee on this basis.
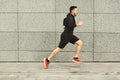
(58, 49)
(79, 42)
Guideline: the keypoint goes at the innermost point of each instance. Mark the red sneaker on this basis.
(76, 60)
(46, 63)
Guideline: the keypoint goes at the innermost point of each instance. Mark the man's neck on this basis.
(72, 14)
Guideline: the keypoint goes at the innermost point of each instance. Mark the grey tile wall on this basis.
(30, 29)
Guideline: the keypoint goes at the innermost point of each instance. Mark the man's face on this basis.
(75, 11)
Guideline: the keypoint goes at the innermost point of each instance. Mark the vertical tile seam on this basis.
(93, 30)
(55, 24)
(18, 26)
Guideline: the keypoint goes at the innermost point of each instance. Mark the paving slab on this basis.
(60, 71)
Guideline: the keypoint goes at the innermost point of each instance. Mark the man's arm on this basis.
(70, 22)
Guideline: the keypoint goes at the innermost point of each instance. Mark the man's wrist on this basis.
(76, 24)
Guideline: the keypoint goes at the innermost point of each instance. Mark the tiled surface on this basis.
(107, 6)
(60, 71)
(107, 42)
(84, 6)
(36, 41)
(36, 5)
(8, 22)
(8, 5)
(62, 56)
(107, 56)
(107, 23)
(8, 55)
(37, 22)
(33, 27)
(8, 41)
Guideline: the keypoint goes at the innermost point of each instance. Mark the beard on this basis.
(75, 14)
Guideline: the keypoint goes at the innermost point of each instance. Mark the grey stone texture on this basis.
(60, 71)
(30, 29)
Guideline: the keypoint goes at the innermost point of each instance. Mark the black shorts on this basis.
(65, 38)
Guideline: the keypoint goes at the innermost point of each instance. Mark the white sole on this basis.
(76, 61)
(44, 63)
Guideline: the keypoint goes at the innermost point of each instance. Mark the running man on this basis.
(67, 36)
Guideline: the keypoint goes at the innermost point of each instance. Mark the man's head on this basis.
(73, 10)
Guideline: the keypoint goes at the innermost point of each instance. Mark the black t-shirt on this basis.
(69, 23)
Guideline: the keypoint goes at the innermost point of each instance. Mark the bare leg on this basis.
(56, 51)
(78, 48)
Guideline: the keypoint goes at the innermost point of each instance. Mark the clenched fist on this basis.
(79, 23)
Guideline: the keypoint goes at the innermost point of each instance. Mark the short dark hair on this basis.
(72, 7)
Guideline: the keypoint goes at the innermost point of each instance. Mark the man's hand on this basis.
(79, 23)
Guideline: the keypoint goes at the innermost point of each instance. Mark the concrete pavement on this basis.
(60, 71)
